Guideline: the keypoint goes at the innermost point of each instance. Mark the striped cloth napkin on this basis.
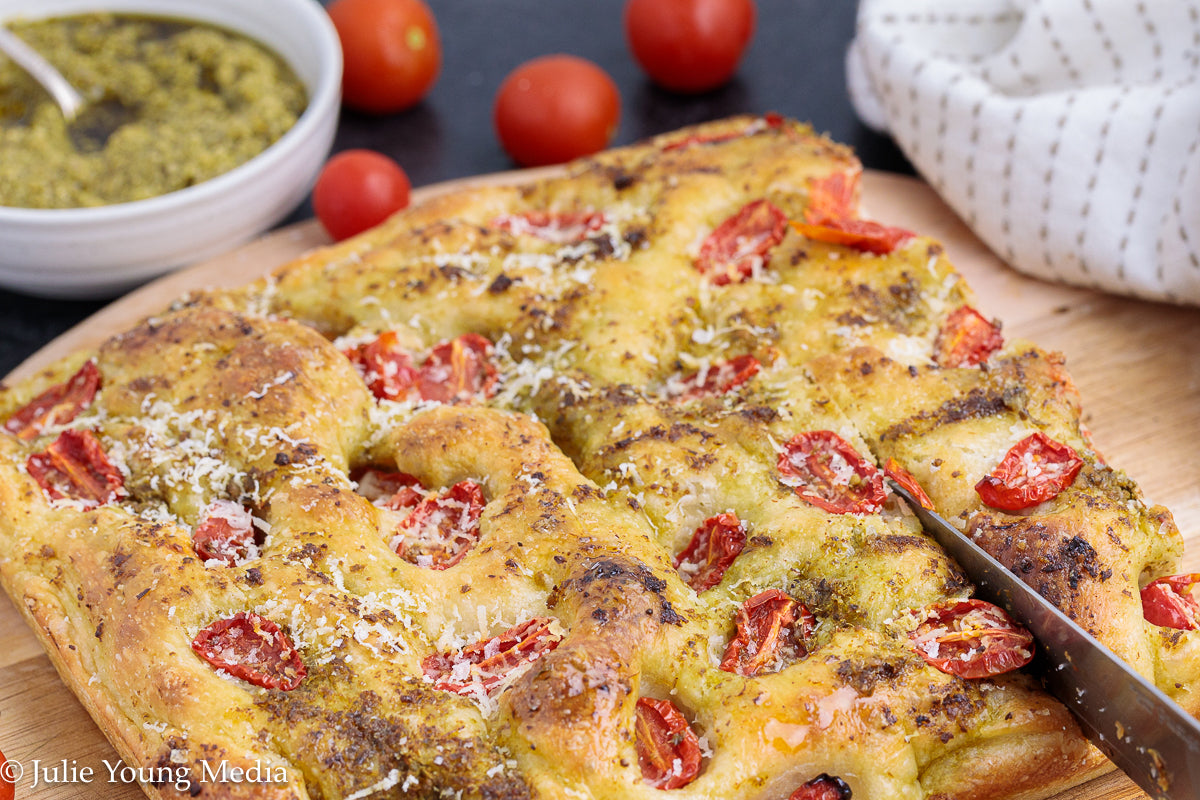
(1066, 133)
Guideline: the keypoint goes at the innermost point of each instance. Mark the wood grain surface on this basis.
(1136, 365)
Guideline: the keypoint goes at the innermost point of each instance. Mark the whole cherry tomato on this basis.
(689, 45)
(556, 108)
(391, 52)
(357, 190)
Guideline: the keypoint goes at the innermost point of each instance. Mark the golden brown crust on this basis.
(248, 397)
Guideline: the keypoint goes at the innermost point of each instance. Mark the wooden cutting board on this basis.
(1136, 364)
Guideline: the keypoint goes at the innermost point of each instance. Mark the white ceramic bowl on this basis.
(99, 252)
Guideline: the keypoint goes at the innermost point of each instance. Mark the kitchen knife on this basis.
(1150, 738)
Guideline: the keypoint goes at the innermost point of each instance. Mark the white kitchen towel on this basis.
(1066, 133)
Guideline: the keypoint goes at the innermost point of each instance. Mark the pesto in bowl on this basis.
(172, 103)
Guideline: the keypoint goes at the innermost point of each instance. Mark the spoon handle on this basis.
(43, 72)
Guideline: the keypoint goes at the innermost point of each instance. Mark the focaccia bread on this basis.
(574, 489)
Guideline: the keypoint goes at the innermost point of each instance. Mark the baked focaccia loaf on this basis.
(574, 488)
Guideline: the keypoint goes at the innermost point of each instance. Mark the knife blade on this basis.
(1141, 730)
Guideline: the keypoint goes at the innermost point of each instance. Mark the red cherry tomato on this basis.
(822, 787)
(253, 648)
(395, 490)
(441, 529)
(1168, 602)
(560, 227)
(827, 472)
(770, 626)
(830, 217)
(8, 789)
(556, 108)
(58, 405)
(390, 50)
(491, 660)
(386, 367)
(458, 370)
(713, 547)
(966, 339)
(720, 378)
(972, 639)
(742, 243)
(906, 480)
(75, 467)
(768, 121)
(226, 533)
(667, 747)
(357, 190)
(1035, 470)
(689, 45)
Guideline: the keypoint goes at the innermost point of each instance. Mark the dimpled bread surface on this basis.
(595, 471)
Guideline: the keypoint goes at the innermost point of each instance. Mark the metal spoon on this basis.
(88, 125)
(42, 71)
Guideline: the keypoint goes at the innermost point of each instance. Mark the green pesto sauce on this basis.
(195, 101)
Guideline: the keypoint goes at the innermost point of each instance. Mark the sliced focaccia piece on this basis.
(717, 472)
(1001, 452)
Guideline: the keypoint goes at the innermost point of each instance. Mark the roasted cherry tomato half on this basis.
(1169, 602)
(556, 108)
(834, 196)
(225, 534)
(826, 471)
(741, 245)
(58, 405)
(972, 639)
(689, 45)
(713, 547)
(440, 530)
(357, 190)
(458, 370)
(9, 773)
(667, 747)
(253, 648)
(390, 50)
(560, 227)
(75, 467)
(720, 378)
(831, 217)
(386, 367)
(966, 339)
(822, 787)
(7, 787)
(900, 475)
(769, 121)
(395, 490)
(1035, 470)
(771, 628)
(491, 660)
